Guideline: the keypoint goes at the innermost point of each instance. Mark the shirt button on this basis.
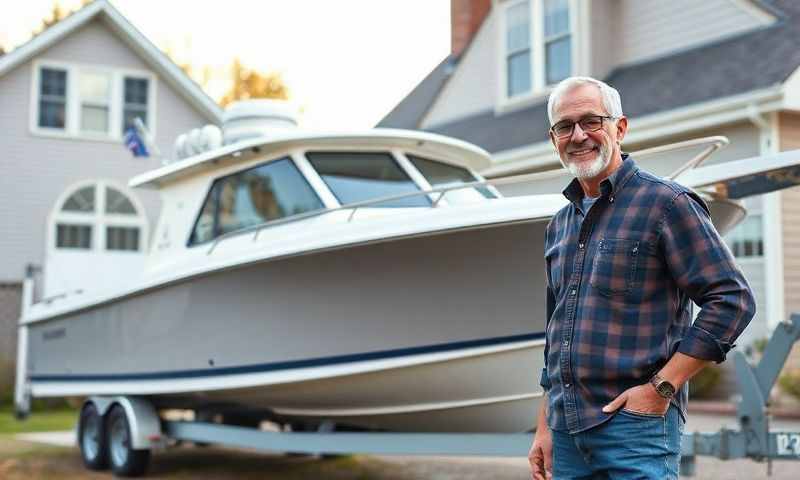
(566, 343)
(610, 199)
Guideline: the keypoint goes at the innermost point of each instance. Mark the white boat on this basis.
(367, 279)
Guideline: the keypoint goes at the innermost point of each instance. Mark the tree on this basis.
(248, 83)
(57, 13)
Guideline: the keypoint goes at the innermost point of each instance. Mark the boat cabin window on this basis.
(440, 174)
(252, 197)
(359, 176)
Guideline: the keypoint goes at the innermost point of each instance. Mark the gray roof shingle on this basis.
(750, 61)
(410, 111)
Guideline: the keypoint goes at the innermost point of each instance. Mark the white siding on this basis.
(473, 85)
(653, 28)
(604, 31)
(34, 170)
(744, 143)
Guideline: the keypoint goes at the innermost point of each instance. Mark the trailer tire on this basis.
(92, 438)
(124, 460)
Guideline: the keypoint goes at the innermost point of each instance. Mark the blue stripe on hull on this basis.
(271, 367)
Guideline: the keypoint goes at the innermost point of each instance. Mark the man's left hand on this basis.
(639, 399)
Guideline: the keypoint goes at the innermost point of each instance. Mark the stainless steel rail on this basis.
(714, 143)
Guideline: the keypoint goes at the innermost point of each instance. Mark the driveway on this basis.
(217, 463)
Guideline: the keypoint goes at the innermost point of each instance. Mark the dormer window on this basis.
(537, 43)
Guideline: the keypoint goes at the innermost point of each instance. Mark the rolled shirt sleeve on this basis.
(703, 267)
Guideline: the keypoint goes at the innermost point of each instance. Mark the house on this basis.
(67, 96)
(685, 69)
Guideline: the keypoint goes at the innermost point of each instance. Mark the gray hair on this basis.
(611, 99)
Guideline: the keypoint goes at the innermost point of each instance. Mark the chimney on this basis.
(466, 17)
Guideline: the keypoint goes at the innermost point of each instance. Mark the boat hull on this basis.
(434, 333)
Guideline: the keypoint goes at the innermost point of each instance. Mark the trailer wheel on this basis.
(92, 439)
(124, 460)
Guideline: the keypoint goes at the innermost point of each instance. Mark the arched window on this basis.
(99, 216)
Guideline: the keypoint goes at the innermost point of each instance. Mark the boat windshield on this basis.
(441, 174)
(251, 197)
(360, 176)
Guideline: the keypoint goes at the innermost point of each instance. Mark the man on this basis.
(624, 261)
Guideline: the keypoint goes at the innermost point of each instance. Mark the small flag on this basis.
(135, 144)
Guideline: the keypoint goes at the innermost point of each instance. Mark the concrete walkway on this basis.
(58, 439)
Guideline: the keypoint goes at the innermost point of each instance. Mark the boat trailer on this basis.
(135, 428)
(753, 439)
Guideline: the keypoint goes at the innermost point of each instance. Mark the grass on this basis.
(20, 460)
(62, 418)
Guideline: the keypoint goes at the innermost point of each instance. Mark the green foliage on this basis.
(39, 421)
(789, 382)
(704, 384)
(760, 345)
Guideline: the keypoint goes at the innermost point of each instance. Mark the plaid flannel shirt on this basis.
(620, 282)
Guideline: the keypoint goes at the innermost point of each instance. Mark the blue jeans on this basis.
(628, 446)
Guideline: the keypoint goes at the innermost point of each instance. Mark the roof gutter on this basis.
(702, 116)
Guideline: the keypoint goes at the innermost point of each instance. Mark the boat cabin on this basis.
(260, 182)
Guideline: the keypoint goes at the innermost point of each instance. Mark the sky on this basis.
(347, 63)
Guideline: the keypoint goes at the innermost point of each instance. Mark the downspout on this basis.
(772, 226)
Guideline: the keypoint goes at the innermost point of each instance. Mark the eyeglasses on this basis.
(592, 123)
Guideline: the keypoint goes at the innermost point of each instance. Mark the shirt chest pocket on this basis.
(614, 266)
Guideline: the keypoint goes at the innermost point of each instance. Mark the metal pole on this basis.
(22, 394)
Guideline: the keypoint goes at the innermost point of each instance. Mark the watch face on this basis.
(666, 389)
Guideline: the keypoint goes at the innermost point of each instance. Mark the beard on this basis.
(593, 168)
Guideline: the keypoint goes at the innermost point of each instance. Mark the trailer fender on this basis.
(143, 419)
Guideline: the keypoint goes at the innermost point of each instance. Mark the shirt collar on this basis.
(609, 186)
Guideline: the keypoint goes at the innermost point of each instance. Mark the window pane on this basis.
(74, 236)
(53, 82)
(518, 35)
(359, 176)
(94, 119)
(559, 60)
(80, 201)
(122, 238)
(52, 114)
(117, 203)
(519, 73)
(746, 240)
(204, 227)
(556, 17)
(136, 91)
(52, 98)
(440, 174)
(135, 101)
(95, 87)
(268, 192)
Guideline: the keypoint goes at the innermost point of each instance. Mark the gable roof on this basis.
(410, 111)
(748, 62)
(111, 17)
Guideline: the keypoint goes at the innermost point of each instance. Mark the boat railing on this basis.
(713, 143)
(355, 206)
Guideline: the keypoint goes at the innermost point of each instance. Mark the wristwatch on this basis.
(663, 387)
